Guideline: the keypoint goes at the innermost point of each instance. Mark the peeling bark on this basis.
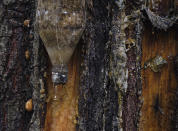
(161, 22)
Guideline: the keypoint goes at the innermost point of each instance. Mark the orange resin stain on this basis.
(159, 86)
(61, 115)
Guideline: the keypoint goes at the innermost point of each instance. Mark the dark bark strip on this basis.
(15, 89)
(97, 101)
(17, 66)
(175, 118)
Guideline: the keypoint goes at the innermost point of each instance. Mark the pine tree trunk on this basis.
(106, 73)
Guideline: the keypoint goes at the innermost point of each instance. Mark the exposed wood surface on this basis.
(158, 88)
(61, 115)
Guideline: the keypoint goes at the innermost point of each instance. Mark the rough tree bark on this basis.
(21, 70)
(110, 84)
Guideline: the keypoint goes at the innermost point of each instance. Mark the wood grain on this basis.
(158, 88)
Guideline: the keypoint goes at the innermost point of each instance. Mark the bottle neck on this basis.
(59, 74)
